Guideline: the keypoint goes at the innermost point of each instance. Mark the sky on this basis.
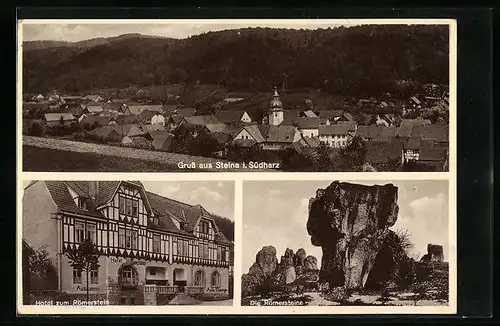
(85, 31)
(275, 213)
(216, 197)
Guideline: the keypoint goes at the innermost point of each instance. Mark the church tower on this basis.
(276, 112)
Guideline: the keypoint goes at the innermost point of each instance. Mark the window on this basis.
(79, 232)
(82, 203)
(203, 250)
(204, 227)
(182, 247)
(215, 279)
(77, 276)
(219, 253)
(223, 254)
(199, 278)
(127, 238)
(94, 277)
(156, 243)
(91, 233)
(127, 275)
(129, 206)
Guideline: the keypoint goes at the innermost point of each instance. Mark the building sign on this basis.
(121, 260)
(216, 290)
(84, 289)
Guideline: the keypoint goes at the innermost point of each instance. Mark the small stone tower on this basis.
(276, 112)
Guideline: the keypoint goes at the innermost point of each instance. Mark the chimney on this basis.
(94, 189)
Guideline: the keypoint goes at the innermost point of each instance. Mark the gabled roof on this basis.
(438, 133)
(175, 119)
(375, 132)
(94, 108)
(137, 109)
(407, 125)
(218, 127)
(202, 120)
(62, 198)
(330, 113)
(278, 134)
(380, 152)
(161, 140)
(58, 116)
(254, 131)
(153, 128)
(99, 120)
(186, 112)
(432, 151)
(334, 129)
(227, 116)
(309, 141)
(306, 122)
(309, 113)
(146, 115)
(244, 142)
(105, 132)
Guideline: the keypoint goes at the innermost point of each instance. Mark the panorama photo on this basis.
(231, 95)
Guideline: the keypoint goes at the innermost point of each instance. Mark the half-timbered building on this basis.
(147, 243)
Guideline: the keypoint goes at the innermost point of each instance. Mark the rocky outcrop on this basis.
(350, 223)
(310, 262)
(293, 267)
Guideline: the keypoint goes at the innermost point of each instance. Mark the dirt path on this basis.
(172, 160)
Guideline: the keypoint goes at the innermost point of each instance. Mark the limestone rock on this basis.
(300, 255)
(350, 221)
(265, 262)
(288, 275)
(310, 263)
(288, 258)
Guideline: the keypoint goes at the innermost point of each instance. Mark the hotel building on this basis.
(151, 247)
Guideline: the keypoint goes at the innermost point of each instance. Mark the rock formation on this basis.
(350, 223)
(292, 267)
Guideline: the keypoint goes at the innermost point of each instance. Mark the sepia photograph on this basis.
(347, 243)
(234, 95)
(104, 243)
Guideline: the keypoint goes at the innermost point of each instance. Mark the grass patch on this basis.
(38, 159)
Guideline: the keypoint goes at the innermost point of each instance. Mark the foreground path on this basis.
(171, 161)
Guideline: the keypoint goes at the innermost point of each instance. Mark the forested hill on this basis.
(360, 60)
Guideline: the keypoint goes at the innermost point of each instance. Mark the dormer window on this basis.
(82, 203)
(204, 227)
(155, 220)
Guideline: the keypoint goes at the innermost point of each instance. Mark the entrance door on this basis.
(180, 279)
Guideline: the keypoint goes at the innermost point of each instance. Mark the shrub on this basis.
(37, 129)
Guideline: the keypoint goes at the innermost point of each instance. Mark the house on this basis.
(308, 114)
(430, 132)
(278, 137)
(152, 128)
(434, 155)
(307, 126)
(173, 122)
(127, 119)
(384, 155)
(251, 132)
(336, 135)
(232, 116)
(93, 98)
(38, 97)
(376, 133)
(97, 121)
(138, 109)
(56, 119)
(106, 133)
(148, 243)
(411, 149)
(406, 126)
(146, 116)
(74, 109)
(201, 120)
(93, 109)
(162, 141)
(330, 116)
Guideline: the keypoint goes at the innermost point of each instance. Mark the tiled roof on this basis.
(309, 141)
(94, 108)
(105, 132)
(146, 115)
(58, 116)
(62, 198)
(217, 127)
(330, 113)
(335, 129)
(306, 122)
(226, 116)
(438, 133)
(407, 125)
(29, 106)
(153, 128)
(432, 151)
(202, 120)
(374, 132)
(161, 140)
(186, 112)
(278, 134)
(221, 137)
(137, 109)
(309, 113)
(244, 142)
(379, 152)
(99, 120)
(255, 132)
